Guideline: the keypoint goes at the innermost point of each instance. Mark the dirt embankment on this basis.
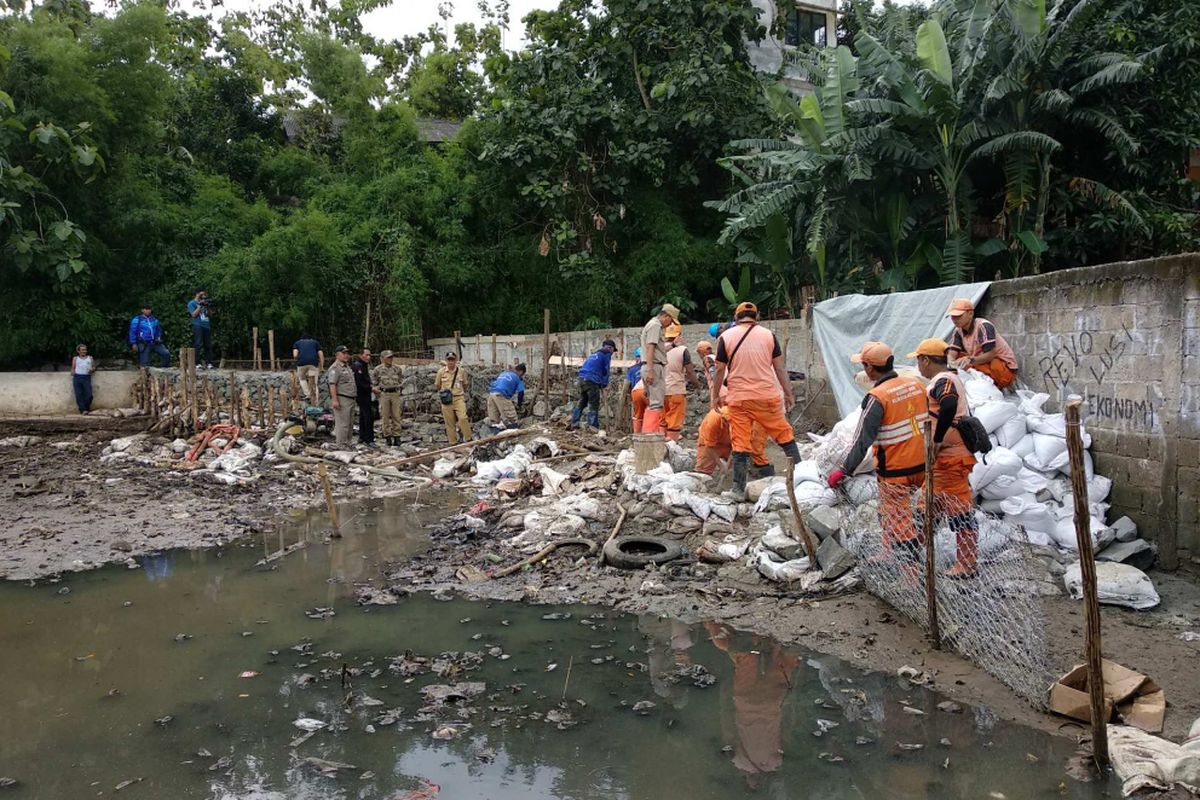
(68, 512)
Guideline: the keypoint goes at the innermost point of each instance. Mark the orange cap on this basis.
(672, 331)
(959, 307)
(874, 353)
(744, 307)
(931, 347)
(704, 347)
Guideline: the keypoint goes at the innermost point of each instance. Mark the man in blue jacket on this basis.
(145, 337)
(593, 376)
(501, 413)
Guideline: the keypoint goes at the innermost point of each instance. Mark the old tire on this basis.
(635, 552)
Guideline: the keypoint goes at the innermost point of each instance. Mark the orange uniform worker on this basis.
(708, 361)
(714, 444)
(978, 346)
(750, 366)
(953, 461)
(892, 415)
(654, 354)
(678, 376)
(637, 390)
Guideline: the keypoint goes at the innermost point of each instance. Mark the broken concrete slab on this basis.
(824, 521)
(1137, 553)
(1126, 529)
(834, 559)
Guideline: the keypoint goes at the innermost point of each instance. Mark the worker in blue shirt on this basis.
(593, 376)
(145, 337)
(501, 413)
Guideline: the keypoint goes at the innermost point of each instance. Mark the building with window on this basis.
(808, 23)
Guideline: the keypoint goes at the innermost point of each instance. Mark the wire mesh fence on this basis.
(988, 604)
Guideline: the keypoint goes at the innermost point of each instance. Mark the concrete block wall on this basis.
(32, 394)
(1126, 338)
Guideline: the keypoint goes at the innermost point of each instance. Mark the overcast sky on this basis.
(405, 17)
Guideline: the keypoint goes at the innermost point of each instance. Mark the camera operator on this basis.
(198, 308)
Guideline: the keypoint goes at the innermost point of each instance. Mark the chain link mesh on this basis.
(992, 615)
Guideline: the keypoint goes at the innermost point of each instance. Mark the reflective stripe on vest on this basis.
(899, 446)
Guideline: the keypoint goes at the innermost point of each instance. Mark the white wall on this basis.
(768, 55)
(44, 393)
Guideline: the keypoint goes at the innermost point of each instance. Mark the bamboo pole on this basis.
(195, 406)
(562, 367)
(271, 350)
(493, 349)
(270, 408)
(244, 395)
(452, 448)
(479, 349)
(367, 326)
(329, 504)
(935, 632)
(233, 403)
(1087, 567)
(207, 403)
(254, 348)
(546, 359)
(801, 528)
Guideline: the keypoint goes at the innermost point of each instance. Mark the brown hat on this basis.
(876, 354)
(672, 331)
(704, 347)
(959, 307)
(930, 347)
(386, 354)
(451, 356)
(671, 310)
(745, 308)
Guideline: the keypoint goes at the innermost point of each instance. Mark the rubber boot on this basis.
(652, 422)
(741, 465)
(576, 413)
(791, 450)
(594, 419)
(764, 470)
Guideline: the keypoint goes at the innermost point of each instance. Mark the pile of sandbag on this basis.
(1024, 480)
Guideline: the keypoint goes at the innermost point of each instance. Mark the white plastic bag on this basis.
(994, 414)
(1011, 432)
(1032, 516)
(512, 465)
(786, 572)
(1000, 461)
(980, 388)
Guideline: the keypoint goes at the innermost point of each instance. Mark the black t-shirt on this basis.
(362, 375)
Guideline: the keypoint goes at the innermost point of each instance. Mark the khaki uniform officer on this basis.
(343, 393)
(387, 380)
(453, 379)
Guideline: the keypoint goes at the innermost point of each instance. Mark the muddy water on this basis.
(85, 675)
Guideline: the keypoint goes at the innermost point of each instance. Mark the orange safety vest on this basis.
(953, 439)
(900, 445)
(974, 347)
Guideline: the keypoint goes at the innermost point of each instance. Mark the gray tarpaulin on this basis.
(902, 320)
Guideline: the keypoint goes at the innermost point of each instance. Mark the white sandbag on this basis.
(1031, 403)
(730, 549)
(980, 388)
(1098, 488)
(1004, 487)
(1117, 584)
(700, 505)
(1011, 432)
(1048, 449)
(231, 462)
(444, 467)
(1064, 533)
(755, 488)
(1036, 481)
(993, 506)
(724, 511)
(566, 525)
(680, 458)
(780, 543)
(993, 414)
(786, 572)
(1032, 516)
(808, 471)
(1145, 762)
(1000, 461)
(1023, 447)
(511, 466)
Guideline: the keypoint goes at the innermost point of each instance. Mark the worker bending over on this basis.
(715, 444)
(750, 365)
(593, 376)
(892, 414)
(501, 413)
(976, 345)
(637, 391)
(952, 462)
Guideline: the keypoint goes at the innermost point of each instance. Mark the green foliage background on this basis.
(143, 156)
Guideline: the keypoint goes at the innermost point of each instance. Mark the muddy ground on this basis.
(66, 512)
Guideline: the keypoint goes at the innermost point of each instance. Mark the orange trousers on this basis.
(674, 413)
(999, 372)
(768, 414)
(896, 516)
(714, 443)
(640, 401)
(954, 501)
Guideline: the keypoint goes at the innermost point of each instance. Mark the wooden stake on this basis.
(479, 349)
(271, 350)
(1087, 568)
(295, 392)
(805, 536)
(616, 530)
(367, 326)
(935, 632)
(270, 408)
(254, 348)
(333, 517)
(459, 446)
(493, 349)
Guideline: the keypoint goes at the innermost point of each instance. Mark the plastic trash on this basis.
(512, 465)
(1116, 584)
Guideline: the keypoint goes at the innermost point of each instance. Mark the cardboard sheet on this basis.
(1129, 696)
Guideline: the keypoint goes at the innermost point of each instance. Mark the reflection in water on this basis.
(762, 682)
(86, 675)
